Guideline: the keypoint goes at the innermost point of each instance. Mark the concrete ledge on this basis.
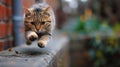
(33, 56)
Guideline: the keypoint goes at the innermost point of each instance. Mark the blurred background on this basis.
(93, 28)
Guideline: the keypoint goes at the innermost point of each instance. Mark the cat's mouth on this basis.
(38, 31)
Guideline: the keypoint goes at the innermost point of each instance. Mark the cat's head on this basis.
(37, 19)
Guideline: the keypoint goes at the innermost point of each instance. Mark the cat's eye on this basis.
(42, 23)
(32, 23)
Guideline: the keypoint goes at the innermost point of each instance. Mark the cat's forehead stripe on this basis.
(37, 10)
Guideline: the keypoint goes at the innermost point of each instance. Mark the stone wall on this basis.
(55, 54)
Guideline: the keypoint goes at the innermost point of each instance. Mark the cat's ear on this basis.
(46, 9)
(25, 9)
(28, 12)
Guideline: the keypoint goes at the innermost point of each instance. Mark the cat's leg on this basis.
(30, 36)
(42, 42)
(45, 37)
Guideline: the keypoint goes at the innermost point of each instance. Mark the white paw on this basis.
(32, 36)
(42, 43)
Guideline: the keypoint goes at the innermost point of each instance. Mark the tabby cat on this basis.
(39, 22)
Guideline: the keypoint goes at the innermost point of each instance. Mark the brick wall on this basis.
(26, 4)
(6, 39)
(5, 24)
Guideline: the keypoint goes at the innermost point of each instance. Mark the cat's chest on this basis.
(42, 33)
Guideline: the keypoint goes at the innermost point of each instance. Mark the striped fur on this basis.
(39, 22)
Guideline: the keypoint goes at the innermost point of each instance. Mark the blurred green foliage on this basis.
(104, 39)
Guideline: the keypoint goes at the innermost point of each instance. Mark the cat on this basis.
(39, 22)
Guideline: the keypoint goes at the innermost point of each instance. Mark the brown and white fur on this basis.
(39, 22)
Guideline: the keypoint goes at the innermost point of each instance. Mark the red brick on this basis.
(10, 28)
(3, 30)
(1, 45)
(26, 4)
(10, 12)
(8, 2)
(1, 11)
(6, 12)
(4, 9)
(3, 1)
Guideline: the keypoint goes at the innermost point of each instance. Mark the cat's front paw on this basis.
(32, 36)
(42, 44)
